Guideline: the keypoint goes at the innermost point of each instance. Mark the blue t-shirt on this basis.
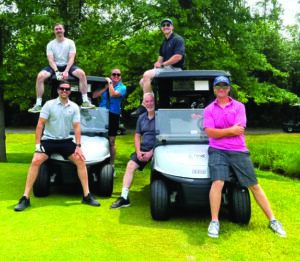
(115, 102)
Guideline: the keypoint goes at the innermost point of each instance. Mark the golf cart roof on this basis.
(185, 89)
(205, 74)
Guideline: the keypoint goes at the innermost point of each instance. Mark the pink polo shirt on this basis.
(221, 118)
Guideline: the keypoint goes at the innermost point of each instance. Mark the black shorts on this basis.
(61, 69)
(113, 124)
(220, 162)
(142, 164)
(63, 147)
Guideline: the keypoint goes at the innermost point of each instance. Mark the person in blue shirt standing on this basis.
(116, 91)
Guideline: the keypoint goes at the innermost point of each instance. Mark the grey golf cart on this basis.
(180, 174)
(94, 144)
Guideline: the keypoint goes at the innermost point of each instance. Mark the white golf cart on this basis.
(95, 147)
(180, 174)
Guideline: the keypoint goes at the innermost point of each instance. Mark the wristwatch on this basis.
(162, 66)
(78, 145)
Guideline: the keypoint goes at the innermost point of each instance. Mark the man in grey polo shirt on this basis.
(56, 118)
(144, 142)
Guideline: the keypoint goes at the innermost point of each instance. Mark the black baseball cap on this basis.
(166, 20)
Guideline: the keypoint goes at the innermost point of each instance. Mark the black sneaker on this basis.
(89, 200)
(121, 203)
(140, 110)
(23, 203)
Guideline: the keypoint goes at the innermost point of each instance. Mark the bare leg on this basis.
(146, 81)
(112, 149)
(82, 80)
(129, 174)
(42, 76)
(262, 200)
(82, 173)
(215, 199)
(36, 162)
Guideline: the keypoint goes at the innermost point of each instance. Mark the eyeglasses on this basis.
(116, 74)
(166, 25)
(64, 89)
(225, 87)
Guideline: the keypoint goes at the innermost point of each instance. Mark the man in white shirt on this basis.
(61, 55)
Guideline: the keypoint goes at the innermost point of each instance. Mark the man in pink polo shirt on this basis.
(225, 123)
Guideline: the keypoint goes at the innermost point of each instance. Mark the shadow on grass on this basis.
(189, 221)
(19, 157)
(65, 195)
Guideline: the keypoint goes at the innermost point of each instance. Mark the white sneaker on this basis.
(213, 229)
(277, 228)
(87, 105)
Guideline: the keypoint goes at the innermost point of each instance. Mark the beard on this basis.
(150, 109)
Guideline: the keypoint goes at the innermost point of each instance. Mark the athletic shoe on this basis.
(87, 105)
(213, 229)
(89, 200)
(140, 110)
(35, 109)
(277, 228)
(121, 203)
(23, 203)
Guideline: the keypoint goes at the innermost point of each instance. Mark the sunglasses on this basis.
(116, 74)
(225, 87)
(166, 25)
(64, 89)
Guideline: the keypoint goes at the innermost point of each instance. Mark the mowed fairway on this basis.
(59, 227)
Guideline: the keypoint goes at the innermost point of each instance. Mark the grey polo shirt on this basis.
(60, 119)
(146, 128)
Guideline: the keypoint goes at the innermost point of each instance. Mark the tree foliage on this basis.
(259, 52)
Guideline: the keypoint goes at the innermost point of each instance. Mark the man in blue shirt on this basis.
(144, 142)
(171, 58)
(116, 91)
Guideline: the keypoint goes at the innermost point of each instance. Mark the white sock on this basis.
(39, 101)
(84, 97)
(125, 192)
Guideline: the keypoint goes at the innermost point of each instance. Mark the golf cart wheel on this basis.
(106, 181)
(41, 185)
(240, 205)
(160, 201)
(289, 129)
(119, 132)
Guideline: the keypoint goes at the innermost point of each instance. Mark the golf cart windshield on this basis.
(180, 125)
(94, 121)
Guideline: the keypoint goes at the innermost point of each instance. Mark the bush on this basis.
(276, 152)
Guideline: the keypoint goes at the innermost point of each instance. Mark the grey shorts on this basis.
(142, 164)
(168, 68)
(221, 162)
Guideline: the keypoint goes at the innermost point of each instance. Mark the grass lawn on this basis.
(59, 227)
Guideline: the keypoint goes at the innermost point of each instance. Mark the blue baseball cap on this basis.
(166, 20)
(221, 79)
